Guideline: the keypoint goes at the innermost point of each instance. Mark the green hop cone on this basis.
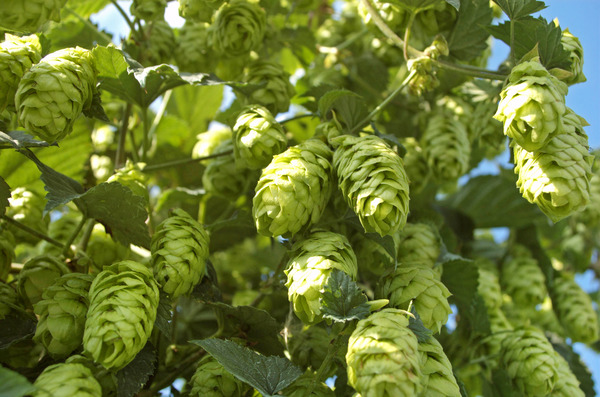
(212, 380)
(28, 15)
(37, 274)
(446, 147)
(371, 255)
(60, 230)
(27, 207)
(530, 361)
(148, 10)
(208, 141)
(199, 10)
(418, 243)
(574, 310)
(418, 285)
(17, 55)
(123, 303)
(258, 137)
(306, 382)
(567, 384)
(485, 132)
(193, 53)
(489, 288)
(275, 88)
(61, 380)
(8, 299)
(557, 177)
(311, 262)
(106, 379)
(293, 190)
(179, 251)
(415, 165)
(238, 28)
(372, 179)
(103, 250)
(308, 348)
(425, 78)
(7, 253)
(54, 92)
(575, 49)
(131, 176)
(523, 279)
(383, 357)
(157, 45)
(62, 312)
(532, 105)
(437, 379)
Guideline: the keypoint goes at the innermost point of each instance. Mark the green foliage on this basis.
(135, 375)
(14, 384)
(342, 300)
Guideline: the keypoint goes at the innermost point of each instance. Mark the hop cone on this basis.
(238, 28)
(530, 361)
(148, 10)
(27, 207)
(54, 92)
(372, 178)
(67, 380)
(308, 348)
(557, 177)
(446, 147)
(131, 176)
(574, 310)
(60, 230)
(437, 379)
(106, 379)
(293, 189)
(532, 105)
(37, 274)
(575, 49)
(7, 253)
(485, 131)
(489, 289)
(123, 303)
(193, 53)
(418, 244)
(301, 386)
(199, 10)
(179, 252)
(62, 314)
(8, 297)
(311, 263)
(523, 280)
(207, 142)
(371, 255)
(157, 45)
(567, 384)
(591, 214)
(103, 250)
(383, 357)
(418, 284)
(17, 55)
(415, 165)
(212, 380)
(29, 15)
(258, 137)
(275, 90)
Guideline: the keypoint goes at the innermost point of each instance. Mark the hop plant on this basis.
(148, 10)
(446, 147)
(574, 310)
(311, 262)
(8, 299)
(530, 361)
(193, 50)
(372, 179)
(123, 304)
(27, 207)
(62, 312)
(532, 105)
(415, 165)
(308, 348)
(523, 279)
(275, 88)
(371, 255)
(301, 386)
(293, 189)
(557, 177)
(106, 379)
(37, 274)
(199, 10)
(567, 384)
(67, 380)
(575, 49)
(208, 141)
(103, 250)
(485, 131)
(418, 243)
(212, 380)
(393, 15)
(383, 357)
(417, 284)
(17, 55)
(156, 46)
(238, 28)
(28, 15)
(131, 176)
(437, 377)
(54, 92)
(179, 251)
(7, 253)
(425, 78)
(489, 288)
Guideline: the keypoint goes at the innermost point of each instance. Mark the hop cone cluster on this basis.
(27, 207)
(311, 262)
(532, 105)
(212, 380)
(557, 177)
(123, 303)
(523, 279)
(7, 253)
(54, 92)
(28, 15)
(148, 10)
(258, 137)
(275, 88)
(383, 357)
(131, 176)
(17, 55)
(574, 310)
(372, 179)
(67, 380)
(301, 386)
(8, 297)
(437, 377)
(179, 252)
(418, 284)
(37, 274)
(62, 314)
(103, 250)
(418, 244)
(293, 189)
(530, 361)
(208, 141)
(193, 53)
(238, 28)
(567, 384)
(575, 49)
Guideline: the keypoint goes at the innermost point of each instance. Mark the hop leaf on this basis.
(28, 15)
(67, 380)
(238, 28)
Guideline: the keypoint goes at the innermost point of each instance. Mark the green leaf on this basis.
(195, 105)
(469, 36)
(516, 9)
(72, 32)
(267, 374)
(4, 195)
(14, 328)
(163, 315)
(341, 299)
(14, 384)
(579, 369)
(114, 75)
(415, 324)
(418, 5)
(19, 140)
(122, 213)
(135, 375)
(96, 110)
(387, 242)
(208, 289)
(156, 80)
(500, 385)
(85, 8)
(349, 108)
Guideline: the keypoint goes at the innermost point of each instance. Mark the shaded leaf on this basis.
(342, 300)
(4, 195)
(96, 110)
(85, 8)
(267, 374)
(14, 328)
(163, 315)
(135, 375)
(415, 324)
(19, 140)
(349, 108)
(516, 9)
(14, 384)
(468, 38)
(386, 242)
(72, 32)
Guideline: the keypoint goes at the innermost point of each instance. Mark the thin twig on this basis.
(31, 231)
(174, 163)
(120, 155)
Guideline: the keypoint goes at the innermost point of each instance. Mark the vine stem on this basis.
(120, 155)
(270, 281)
(125, 16)
(160, 114)
(73, 236)
(407, 32)
(146, 127)
(470, 70)
(168, 164)
(31, 231)
(297, 117)
(331, 353)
